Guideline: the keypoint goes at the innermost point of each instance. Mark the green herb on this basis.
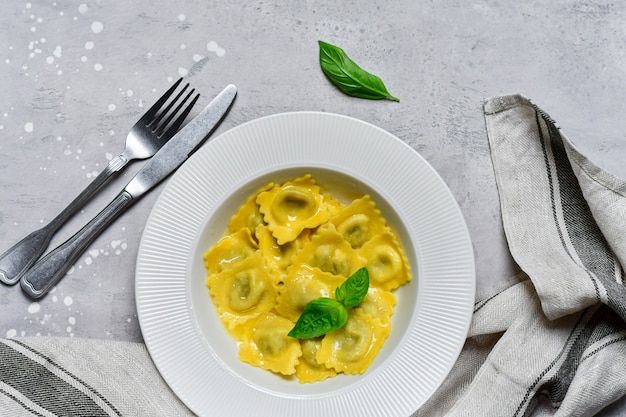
(348, 76)
(319, 317)
(324, 315)
(354, 289)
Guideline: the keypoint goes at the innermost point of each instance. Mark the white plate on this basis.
(188, 344)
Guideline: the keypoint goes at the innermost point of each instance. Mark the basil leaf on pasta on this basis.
(319, 317)
(354, 289)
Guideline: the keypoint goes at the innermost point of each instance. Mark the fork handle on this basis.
(38, 280)
(15, 261)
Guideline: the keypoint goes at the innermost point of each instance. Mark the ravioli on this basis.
(308, 368)
(267, 345)
(243, 291)
(287, 245)
(302, 285)
(292, 207)
(280, 256)
(230, 250)
(248, 216)
(329, 252)
(352, 348)
(378, 304)
(386, 262)
(359, 222)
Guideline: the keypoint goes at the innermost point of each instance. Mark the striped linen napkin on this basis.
(551, 341)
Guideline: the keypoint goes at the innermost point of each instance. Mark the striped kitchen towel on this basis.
(550, 342)
(50, 377)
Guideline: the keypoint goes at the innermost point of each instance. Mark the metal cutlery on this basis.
(52, 267)
(146, 137)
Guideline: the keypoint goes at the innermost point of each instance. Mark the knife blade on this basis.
(38, 280)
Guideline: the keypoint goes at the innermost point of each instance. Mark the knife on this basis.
(37, 281)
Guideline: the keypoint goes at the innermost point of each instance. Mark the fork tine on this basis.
(155, 122)
(171, 131)
(158, 129)
(152, 111)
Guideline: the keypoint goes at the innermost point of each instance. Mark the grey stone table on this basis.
(75, 76)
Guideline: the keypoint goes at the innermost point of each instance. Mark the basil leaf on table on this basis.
(354, 289)
(319, 317)
(349, 77)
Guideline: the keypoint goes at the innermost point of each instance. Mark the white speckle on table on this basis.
(11, 333)
(83, 58)
(182, 71)
(89, 45)
(112, 107)
(83, 9)
(59, 138)
(28, 127)
(68, 301)
(97, 27)
(88, 260)
(34, 308)
(97, 67)
(214, 47)
(55, 299)
(71, 320)
(197, 57)
(46, 318)
(57, 51)
(183, 46)
(181, 17)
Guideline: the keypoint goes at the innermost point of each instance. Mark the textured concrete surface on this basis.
(75, 76)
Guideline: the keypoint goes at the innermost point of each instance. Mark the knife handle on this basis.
(21, 256)
(38, 280)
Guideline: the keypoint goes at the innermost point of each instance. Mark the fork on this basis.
(145, 138)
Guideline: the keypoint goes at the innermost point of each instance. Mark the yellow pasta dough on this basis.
(302, 285)
(287, 245)
(386, 262)
(280, 256)
(248, 216)
(230, 250)
(243, 291)
(267, 345)
(359, 222)
(378, 304)
(308, 368)
(329, 252)
(352, 348)
(293, 207)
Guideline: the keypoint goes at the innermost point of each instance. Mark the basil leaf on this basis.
(319, 317)
(349, 77)
(354, 289)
